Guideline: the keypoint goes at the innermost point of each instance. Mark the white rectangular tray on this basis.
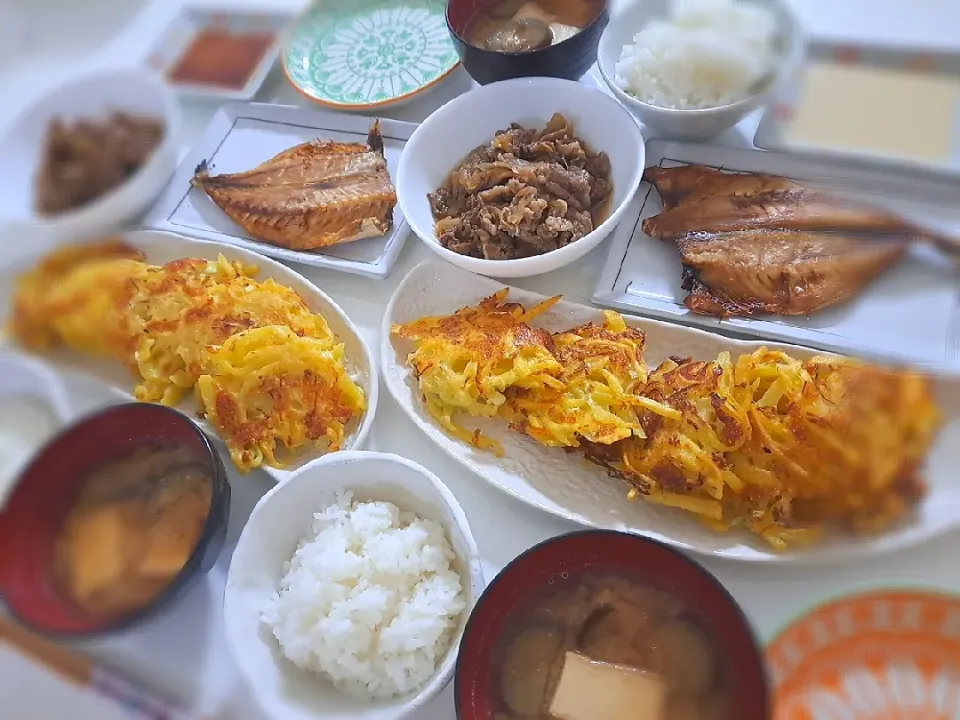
(241, 136)
(770, 133)
(909, 314)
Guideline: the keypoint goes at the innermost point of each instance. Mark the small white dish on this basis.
(278, 523)
(47, 409)
(445, 138)
(707, 122)
(191, 22)
(91, 96)
(22, 375)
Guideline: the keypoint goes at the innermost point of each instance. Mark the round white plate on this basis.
(162, 247)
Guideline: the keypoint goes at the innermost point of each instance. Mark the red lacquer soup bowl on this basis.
(607, 552)
(48, 489)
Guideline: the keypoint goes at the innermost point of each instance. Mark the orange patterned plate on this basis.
(892, 655)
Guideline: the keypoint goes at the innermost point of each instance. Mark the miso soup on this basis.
(604, 647)
(525, 25)
(133, 529)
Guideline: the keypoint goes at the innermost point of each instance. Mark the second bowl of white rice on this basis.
(349, 589)
(694, 68)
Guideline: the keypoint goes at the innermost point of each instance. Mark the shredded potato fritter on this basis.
(268, 373)
(767, 442)
(595, 400)
(466, 362)
(300, 379)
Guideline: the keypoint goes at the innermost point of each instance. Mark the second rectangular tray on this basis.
(884, 65)
(911, 313)
(243, 135)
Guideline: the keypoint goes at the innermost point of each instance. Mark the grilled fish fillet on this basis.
(700, 199)
(310, 196)
(694, 182)
(755, 244)
(788, 273)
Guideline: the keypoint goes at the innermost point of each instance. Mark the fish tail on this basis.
(374, 138)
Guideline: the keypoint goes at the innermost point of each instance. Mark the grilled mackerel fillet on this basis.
(701, 199)
(773, 271)
(310, 196)
(753, 244)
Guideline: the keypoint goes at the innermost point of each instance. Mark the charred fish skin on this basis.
(696, 182)
(310, 215)
(310, 196)
(375, 138)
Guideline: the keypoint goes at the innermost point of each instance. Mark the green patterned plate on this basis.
(361, 54)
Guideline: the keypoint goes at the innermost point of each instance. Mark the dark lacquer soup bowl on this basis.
(570, 58)
(49, 491)
(641, 604)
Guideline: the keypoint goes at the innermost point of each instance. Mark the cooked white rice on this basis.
(709, 53)
(369, 600)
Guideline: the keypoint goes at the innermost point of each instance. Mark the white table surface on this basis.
(182, 653)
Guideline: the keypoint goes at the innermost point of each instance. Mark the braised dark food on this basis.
(86, 159)
(526, 193)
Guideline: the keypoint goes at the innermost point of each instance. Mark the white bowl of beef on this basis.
(549, 191)
(88, 156)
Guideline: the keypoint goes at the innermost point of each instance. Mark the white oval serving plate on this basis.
(549, 479)
(162, 247)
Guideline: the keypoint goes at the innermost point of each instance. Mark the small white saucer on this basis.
(191, 21)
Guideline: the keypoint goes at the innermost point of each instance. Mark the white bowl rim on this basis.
(406, 706)
(790, 61)
(172, 118)
(532, 264)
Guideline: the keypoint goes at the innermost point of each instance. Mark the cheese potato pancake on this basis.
(77, 296)
(269, 374)
(560, 389)
(781, 446)
(601, 369)
(469, 361)
(191, 305)
(269, 389)
(766, 442)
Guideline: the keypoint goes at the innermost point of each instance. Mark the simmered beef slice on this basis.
(572, 185)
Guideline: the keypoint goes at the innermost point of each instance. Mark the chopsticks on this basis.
(80, 670)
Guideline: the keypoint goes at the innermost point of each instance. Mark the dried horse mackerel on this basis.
(753, 244)
(311, 196)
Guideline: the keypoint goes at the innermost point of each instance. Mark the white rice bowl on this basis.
(709, 53)
(370, 599)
